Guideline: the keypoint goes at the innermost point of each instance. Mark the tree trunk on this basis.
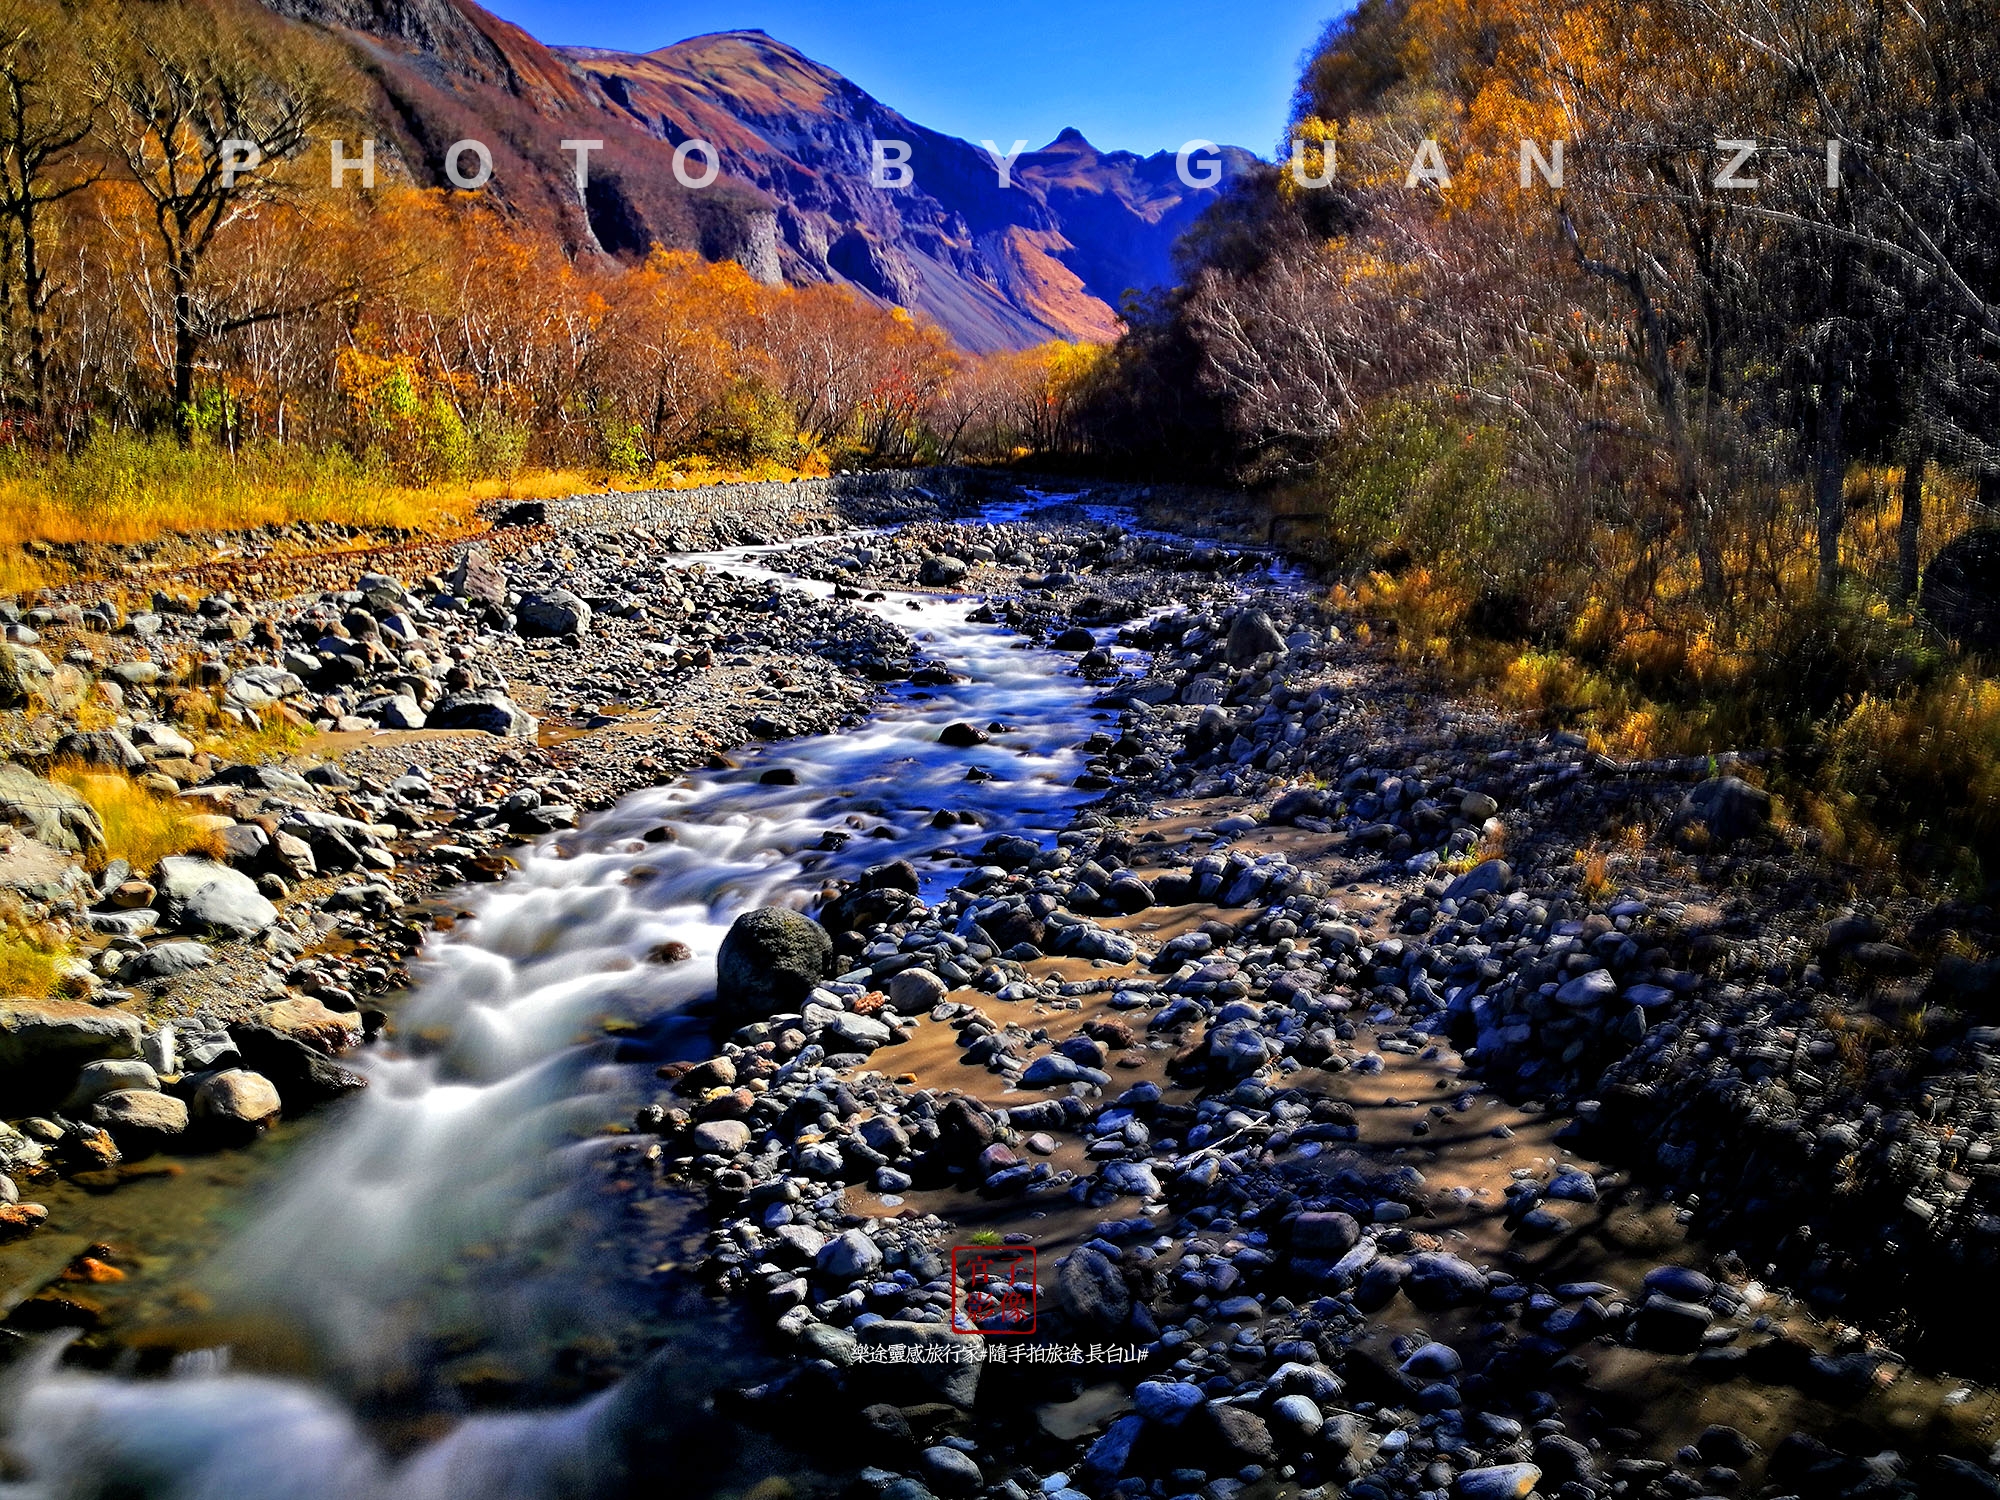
(1910, 524)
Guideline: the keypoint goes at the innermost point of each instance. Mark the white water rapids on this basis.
(484, 1139)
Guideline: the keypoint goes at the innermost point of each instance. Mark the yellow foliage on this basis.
(140, 827)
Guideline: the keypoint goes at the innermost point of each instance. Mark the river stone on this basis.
(58, 1035)
(1296, 1420)
(1251, 635)
(1669, 1325)
(108, 1076)
(770, 961)
(17, 1152)
(555, 612)
(486, 709)
(916, 990)
(938, 571)
(1499, 1482)
(165, 960)
(847, 1256)
(1437, 1280)
(1235, 1437)
(476, 577)
(1167, 1402)
(139, 1112)
(104, 749)
(307, 1020)
(13, 691)
(721, 1137)
(953, 1378)
(850, 1032)
(950, 1472)
(237, 1098)
(54, 814)
(1586, 990)
(1092, 1291)
(199, 895)
(1489, 877)
(1325, 1236)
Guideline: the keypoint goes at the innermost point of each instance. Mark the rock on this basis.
(770, 961)
(1597, 987)
(1092, 1291)
(101, 749)
(1489, 877)
(1235, 1436)
(17, 1152)
(1324, 1236)
(1437, 1280)
(916, 990)
(721, 1137)
(108, 1076)
(139, 1112)
(554, 613)
(1728, 806)
(1251, 635)
(302, 1072)
(13, 691)
(1499, 1482)
(1167, 1402)
(848, 1032)
(953, 1377)
(53, 814)
(475, 576)
(1477, 807)
(962, 736)
(950, 1472)
(1669, 1325)
(199, 895)
(1682, 1283)
(848, 1256)
(19, 1219)
(1110, 1455)
(164, 960)
(486, 709)
(310, 1022)
(237, 1099)
(44, 1037)
(940, 572)
(1076, 638)
(1295, 1420)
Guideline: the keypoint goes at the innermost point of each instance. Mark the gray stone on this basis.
(916, 990)
(1728, 806)
(1092, 1291)
(938, 571)
(1586, 990)
(54, 814)
(847, 1256)
(556, 612)
(199, 895)
(1167, 1402)
(721, 1137)
(237, 1099)
(486, 709)
(771, 960)
(954, 1378)
(1499, 1482)
(62, 1034)
(1251, 635)
(950, 1472)
(108, 1076)
(1489, 877)
(164, 960)
(139, 1112)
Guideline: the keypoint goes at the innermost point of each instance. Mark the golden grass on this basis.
(140, 827)
(28, 970)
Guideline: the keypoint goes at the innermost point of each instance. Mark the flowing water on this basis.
(466, 1206)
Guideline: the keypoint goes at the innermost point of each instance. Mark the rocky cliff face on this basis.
(997, 267)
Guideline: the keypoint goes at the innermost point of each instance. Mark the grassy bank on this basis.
(122, 489)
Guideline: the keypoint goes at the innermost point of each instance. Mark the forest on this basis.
(1682, 464)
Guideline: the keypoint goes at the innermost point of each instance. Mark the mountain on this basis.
(1049, 257)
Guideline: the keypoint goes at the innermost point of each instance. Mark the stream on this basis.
(461, 1204)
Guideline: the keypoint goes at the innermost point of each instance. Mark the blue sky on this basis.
(1138, 75)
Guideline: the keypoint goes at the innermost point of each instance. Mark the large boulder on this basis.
(770, 961)
(1251, 635)
(486, 709)
(556, 612)
(109, 1076)
(42, 1037)
(199, 895)
(941, 572)
(237, 1099)
(477, 577)
(53, 814)
(139, 1113)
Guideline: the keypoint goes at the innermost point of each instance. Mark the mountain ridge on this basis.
(1049, 257)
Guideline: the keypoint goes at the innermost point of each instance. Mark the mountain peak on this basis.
(1069, 136)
